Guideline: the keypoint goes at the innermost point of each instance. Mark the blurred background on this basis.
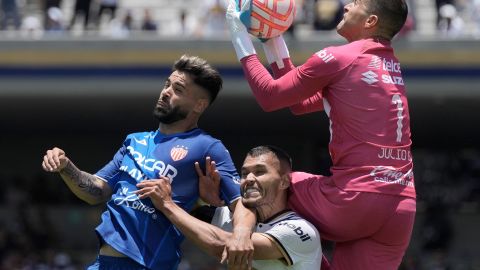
(82, 74)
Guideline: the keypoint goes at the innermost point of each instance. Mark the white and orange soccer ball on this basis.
(270, 18)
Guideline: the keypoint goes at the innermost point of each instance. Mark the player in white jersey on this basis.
(282, 239)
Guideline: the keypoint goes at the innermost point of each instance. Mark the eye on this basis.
(259, 172)
(177, 90)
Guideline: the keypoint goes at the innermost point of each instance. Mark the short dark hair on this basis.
(282, 155)
(203, 74)
(392, 15)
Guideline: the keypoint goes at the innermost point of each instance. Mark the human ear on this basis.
(285, 183)
(201, 105)
(371, 21)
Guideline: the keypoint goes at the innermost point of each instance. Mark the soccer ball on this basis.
(270, 18)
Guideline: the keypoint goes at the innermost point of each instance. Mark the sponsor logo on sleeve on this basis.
(325, 56)
(297, 230)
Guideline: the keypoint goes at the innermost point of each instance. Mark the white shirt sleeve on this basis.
(297, 239)
(223, 218)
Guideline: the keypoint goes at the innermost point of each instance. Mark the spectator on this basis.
(182, 15)
(451, 24)
(81, 7)
(47, 4)
(148, 24)
(54, 21)
(32, 27)
(212, 22)
(476, 16)
(10, 13)
(106, 5)
(327, 14)
(440, 3)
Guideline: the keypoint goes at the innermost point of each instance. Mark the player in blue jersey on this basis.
(133, 234)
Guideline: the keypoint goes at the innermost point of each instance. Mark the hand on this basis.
(209, 183)
(238, 252)
(55, 160)
(158, 190)
(238, 17)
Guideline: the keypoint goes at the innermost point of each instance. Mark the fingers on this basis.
(208, 166)
(144, 192)
(236, 260)
(199, 170)
(54, 160)
(245, 5)
(224, 256)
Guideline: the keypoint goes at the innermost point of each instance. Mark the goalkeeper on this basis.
(367, 206)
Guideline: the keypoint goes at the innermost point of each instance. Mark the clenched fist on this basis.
(54, 160)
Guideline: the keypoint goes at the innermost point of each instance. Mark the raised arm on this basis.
(311, 104)
(85, 186)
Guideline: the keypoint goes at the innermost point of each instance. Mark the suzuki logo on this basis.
(370, 77)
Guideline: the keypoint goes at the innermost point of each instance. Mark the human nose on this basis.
(250, 179)
(166, 92)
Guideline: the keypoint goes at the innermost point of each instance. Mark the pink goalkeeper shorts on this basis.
(370, 230)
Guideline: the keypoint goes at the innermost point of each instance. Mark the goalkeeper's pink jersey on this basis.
(361, 88)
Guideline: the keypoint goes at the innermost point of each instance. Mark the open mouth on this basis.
(251, 192)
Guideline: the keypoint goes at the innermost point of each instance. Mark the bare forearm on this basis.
(208, 237)
(84, 185)
(244, 218)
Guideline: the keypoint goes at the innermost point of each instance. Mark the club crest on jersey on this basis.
(178, 152)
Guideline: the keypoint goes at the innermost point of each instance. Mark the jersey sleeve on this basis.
(311, 104)
(111, 171)
(298, 85)
(230, 181)
(297, 240)
(279, 72)
(223, 219)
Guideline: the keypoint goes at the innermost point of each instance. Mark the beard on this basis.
(169, 115)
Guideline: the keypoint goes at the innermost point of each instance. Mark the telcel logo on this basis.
(391, 66)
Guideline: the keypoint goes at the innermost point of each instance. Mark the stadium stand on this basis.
(85, 89)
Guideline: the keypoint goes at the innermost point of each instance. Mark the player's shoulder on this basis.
(292, 218)
(295, 233)
(334, 58)
(346, 53)
(141, 134)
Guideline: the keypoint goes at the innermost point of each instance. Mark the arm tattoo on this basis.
(85, 181)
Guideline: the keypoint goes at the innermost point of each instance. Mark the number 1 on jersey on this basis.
(397, 100)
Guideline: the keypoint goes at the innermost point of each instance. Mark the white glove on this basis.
(240, 37)
(276, 50)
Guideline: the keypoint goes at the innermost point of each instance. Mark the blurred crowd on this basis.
(206, 19)
(31, 237)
